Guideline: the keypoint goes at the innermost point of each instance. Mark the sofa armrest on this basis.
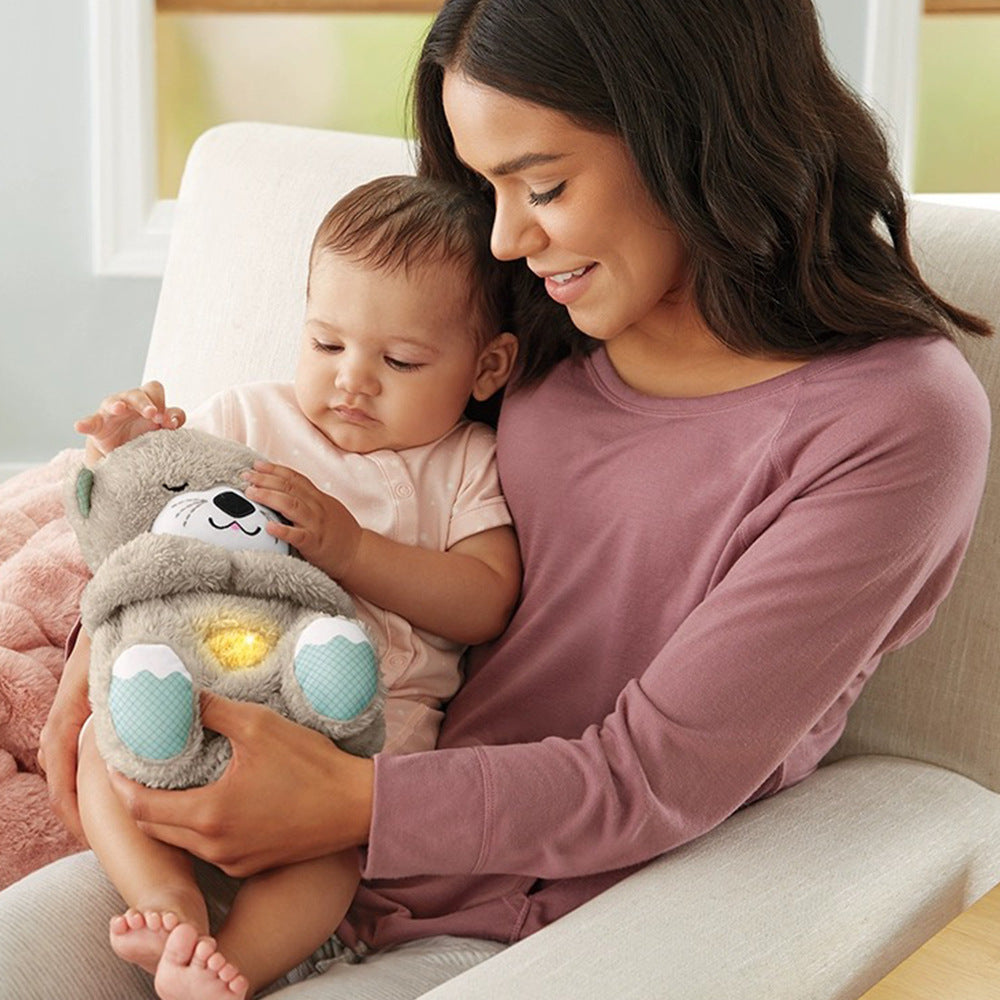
(816, 893)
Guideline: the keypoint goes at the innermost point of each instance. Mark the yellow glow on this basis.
(238, 648)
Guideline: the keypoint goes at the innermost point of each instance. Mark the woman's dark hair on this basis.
(771, 169)
(402, 222)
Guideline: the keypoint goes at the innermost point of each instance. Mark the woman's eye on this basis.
(402, 366)
(324, 347)
(544, 197)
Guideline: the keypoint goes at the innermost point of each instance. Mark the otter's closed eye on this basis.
(175, 489)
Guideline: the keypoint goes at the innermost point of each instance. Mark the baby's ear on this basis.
(494, 366)
(84, 487)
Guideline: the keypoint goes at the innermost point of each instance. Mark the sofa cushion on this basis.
(938, 699)
(812, 895)
(233, 296)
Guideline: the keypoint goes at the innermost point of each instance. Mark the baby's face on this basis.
(388, 359)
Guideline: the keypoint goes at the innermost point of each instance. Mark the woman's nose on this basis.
(515, 233)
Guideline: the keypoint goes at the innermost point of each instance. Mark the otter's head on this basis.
(182, 482)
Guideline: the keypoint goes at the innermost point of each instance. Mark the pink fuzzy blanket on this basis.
(41, 576)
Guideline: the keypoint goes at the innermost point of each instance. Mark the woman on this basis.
(744, 460)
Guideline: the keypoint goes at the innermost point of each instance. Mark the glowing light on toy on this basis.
(236, 647)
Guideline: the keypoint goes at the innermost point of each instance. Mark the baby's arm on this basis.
(465, 594)
(123, 416)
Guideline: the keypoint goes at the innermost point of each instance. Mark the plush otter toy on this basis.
(190, 592)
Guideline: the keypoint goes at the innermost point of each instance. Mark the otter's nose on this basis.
(233, 504)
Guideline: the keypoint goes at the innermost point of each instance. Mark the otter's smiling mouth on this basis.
(234, 524)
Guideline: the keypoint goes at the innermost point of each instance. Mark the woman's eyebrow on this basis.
(525, 161)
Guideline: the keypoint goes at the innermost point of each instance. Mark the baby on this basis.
(389, 490)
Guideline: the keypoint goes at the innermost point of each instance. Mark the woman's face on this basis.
(570, 201)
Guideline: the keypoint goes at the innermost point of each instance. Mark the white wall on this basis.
(845, 27)
(66, 336)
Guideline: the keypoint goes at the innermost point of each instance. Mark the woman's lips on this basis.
(567, 287)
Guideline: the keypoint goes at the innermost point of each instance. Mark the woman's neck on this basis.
(674, 355)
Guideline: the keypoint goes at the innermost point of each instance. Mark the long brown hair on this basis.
(773, 171)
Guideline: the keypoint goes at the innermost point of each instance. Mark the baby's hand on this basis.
(124, 416)
(323, 530)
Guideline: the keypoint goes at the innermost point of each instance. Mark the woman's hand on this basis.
(126, 415)
(59, 738)
(287, 795)
(323, 530)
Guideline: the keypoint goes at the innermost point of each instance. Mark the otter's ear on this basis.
(84, 486)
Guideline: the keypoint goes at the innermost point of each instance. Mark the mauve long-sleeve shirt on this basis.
(708, 584)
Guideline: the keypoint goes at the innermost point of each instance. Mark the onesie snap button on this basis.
(404, 490)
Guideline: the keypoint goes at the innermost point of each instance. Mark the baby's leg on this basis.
(156, 880)
(278, 919)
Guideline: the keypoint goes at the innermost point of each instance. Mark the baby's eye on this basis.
(402, 366)
(326, 348)
(175, 489)
(544, 197)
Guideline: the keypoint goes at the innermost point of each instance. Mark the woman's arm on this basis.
(842, 574)
(746, 694)
(465, 594)
(58, 741)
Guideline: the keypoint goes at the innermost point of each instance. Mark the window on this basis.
(141, 134)
(957, 118)
(908, 71)
(298, 64)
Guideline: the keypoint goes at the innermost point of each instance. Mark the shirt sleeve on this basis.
(852, 565)
(479, 504)
(218, 415)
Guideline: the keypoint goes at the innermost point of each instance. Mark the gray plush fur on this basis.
(168, 590)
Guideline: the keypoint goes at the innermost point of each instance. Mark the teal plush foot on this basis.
(151, 701)
(336, 668)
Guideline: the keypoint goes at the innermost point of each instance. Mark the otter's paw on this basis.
(151, 701)
(336, 668)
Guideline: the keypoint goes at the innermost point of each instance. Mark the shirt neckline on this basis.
(607, 380)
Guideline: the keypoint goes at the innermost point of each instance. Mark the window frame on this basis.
(962, 6)
(130, 224)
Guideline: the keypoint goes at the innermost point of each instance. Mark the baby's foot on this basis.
(139, 937)
(192, 968)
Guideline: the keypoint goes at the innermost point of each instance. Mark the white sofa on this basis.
(813, 895)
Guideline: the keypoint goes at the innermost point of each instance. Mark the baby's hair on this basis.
(404, 222)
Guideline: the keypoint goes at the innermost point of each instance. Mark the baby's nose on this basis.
(233, 504)
(356, 377)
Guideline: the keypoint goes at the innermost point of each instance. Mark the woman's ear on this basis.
(496, 362)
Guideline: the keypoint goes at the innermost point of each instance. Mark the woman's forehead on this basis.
(498, 134)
